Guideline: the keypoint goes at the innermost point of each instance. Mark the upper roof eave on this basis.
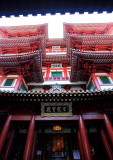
(53, 97)
(83, 59)
(23, 60)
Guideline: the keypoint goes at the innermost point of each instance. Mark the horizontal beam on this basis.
(74, 117)
(59, 82)
(93, 117)
(20, 118)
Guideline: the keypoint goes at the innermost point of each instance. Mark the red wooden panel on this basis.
(39, 118)
(93, 117)
(20, 118)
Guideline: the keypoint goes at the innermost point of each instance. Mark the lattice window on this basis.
(105, 80)
(9, 82)
(56, 74)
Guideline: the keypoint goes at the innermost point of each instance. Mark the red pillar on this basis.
(65, 72)
(80, 146)
(4, 132)
(34, 146)
(9, 145)
(48, 72)
(108, 127)
(94, 78)
(1, 80)
(29, 141)
(106, 145)
(84, 138)
(17, 86)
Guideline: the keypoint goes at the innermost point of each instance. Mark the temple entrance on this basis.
(57, 147)
(55, 144)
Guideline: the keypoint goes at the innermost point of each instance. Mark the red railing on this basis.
(56, 78)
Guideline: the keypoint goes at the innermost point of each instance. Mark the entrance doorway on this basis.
(57, 147)
(55, 144)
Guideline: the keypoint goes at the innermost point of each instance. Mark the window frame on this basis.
(13, 83)
(24, 86)
(92, 85)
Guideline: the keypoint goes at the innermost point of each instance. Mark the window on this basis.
(91, 87)
(56, 74)
(22, 88)
(9, 82)
(105, 80)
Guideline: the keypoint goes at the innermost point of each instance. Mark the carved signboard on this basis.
(56, 65)
(56, 109)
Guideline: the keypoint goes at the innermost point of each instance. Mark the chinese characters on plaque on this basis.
(56, 109)
(59, 65)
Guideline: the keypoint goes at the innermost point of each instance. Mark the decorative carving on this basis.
(56, 86)
(89, 68)
(3, 71)
(24, 70)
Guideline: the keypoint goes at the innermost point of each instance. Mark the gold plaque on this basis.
(57, 109)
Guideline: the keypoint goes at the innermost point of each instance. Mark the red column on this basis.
(65, 72)
(29, 141)
(84, 138)
(9, 145)
(34, 146)
(108, 127)
(94, 78)
(19, 80)
(106, 145)
(1, 80)
(80, 146)
(48, 72)
(4, 132)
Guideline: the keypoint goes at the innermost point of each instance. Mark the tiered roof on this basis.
(22, 44)
(83, 63)
(28, 65)
(92, 42)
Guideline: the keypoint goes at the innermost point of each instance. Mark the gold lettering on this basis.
(54, 108)
(48, 109)
(64, 109)
(59, 109)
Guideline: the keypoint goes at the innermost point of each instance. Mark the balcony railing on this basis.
(6, 88)
(57, 79)
(106, 86)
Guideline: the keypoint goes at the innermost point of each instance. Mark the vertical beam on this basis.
(84, 138)
(4, 132)
(48, 72)
(9, 145)
(17, 86)
(80, 146)
(1, 79)
(34, 146)
(29, 141)
(65, 72)
(94, 78)
(106, 145)
(43, 137)
(108, 127)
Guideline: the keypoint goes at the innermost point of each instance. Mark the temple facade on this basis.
(56, 94)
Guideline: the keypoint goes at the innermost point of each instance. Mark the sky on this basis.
(17, 7)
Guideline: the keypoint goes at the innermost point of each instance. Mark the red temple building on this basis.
(56, 94)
